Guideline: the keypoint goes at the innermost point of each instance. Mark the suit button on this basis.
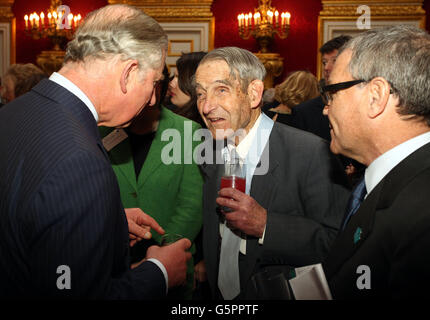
(134, 194)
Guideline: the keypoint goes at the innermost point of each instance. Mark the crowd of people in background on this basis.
(336, 170)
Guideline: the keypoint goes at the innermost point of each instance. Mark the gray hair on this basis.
(119, 31)
(243, 64)
(401, 55)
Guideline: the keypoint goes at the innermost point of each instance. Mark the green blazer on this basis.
(170, 193)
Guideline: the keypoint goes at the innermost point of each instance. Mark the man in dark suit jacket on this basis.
(308, 115)
(292, 209)
(63, 230)
(380, 115)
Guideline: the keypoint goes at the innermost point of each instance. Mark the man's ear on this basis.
(379, 93)
(255, 92)
(128, 70)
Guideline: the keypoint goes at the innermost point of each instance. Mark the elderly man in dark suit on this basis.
(63, 230)
(291, 209)
(378, 104)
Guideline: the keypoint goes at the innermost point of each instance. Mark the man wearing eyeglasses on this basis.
(378, 105)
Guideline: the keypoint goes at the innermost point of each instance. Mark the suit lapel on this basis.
(356, 232)
(262, 190)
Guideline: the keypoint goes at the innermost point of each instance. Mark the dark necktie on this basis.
(355, 201)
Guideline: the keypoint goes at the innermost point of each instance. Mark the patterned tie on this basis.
(355, 201)
(228, 273)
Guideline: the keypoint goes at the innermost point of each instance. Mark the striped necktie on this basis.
(355, 200)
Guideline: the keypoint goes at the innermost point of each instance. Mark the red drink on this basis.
(233, 182)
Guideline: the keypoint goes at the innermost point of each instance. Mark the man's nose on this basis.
(208, 105)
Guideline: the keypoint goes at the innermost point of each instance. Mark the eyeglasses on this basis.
(328, 91)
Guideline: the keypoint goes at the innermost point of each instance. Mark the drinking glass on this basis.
(234, 176)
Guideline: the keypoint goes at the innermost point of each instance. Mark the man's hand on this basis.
(140, 224)
(174, 258)
(247, 215)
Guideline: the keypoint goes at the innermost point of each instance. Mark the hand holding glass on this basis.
(234, 177)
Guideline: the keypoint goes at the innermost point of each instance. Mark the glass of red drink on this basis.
(234, 177)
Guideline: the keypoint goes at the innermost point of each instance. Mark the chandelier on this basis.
(58, 24)
(264, 24)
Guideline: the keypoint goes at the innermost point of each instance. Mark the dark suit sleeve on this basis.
(76, 220)
(304, 235)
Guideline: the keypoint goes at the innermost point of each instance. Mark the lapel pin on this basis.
(357, 235)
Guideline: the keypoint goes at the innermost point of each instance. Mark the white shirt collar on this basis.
(244, 146)
(70, 86)
(382, 165)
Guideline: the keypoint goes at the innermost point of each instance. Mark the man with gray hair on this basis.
(378, 104)
(63, 230)
(291, 209)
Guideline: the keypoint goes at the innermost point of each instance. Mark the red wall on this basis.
(299, 50)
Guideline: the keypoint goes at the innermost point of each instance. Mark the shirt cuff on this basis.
(163, 269)
(261, 240)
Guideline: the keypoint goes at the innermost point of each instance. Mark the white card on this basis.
(310, 284)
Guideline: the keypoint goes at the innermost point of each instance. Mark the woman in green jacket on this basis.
(170, 193)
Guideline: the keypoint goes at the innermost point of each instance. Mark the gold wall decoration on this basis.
(274, 65)
(177, 11)
(342, 14)
(6, 10)
(7, 16)
(171, 47)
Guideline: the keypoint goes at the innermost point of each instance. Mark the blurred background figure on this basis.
(19, 79)
(183, 100)
(170, 193)
(298, 87)
(1, 90)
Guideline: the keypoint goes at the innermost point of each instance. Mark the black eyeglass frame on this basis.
(328, 90)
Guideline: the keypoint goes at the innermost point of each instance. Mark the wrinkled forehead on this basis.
(212, 72)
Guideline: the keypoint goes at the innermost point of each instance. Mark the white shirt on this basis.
(382, 165)
(242, 150)
(70, 86)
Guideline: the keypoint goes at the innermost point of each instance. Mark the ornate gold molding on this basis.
(377, 10)
(377, 7)
(6, 13)
(168, 9)
(338, 11)
(177, 11)
(274, 65)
